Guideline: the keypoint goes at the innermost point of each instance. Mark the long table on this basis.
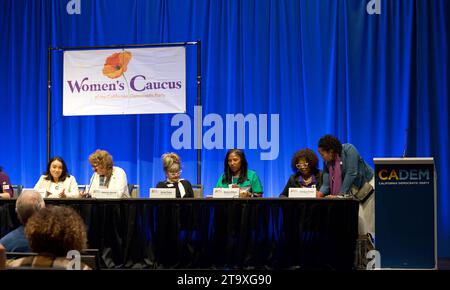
(255, 233)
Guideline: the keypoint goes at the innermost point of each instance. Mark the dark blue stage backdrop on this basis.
(373, 72)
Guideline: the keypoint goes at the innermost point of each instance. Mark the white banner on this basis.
(124, 81)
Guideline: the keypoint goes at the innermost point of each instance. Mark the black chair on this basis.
(91, 261)
(88, 256)
(17, 189)
(17, 255)
(133, 190)
(198, 190)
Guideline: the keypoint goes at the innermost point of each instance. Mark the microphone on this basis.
(90, 184)
(406, 143)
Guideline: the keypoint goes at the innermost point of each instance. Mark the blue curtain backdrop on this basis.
(377, 81)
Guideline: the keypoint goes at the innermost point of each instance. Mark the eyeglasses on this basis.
(175, 173)
(302, 165)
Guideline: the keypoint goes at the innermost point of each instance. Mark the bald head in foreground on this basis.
(28, 203)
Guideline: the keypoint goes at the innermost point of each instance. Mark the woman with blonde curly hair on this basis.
(106, 175)
(172, 169)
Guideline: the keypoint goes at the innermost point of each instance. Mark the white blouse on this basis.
(117, 182)
(69, 185)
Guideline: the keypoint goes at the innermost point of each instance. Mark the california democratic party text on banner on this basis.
(124, 81)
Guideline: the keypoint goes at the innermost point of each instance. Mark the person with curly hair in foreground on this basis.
(53, 232)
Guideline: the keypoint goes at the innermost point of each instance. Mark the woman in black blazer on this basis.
(172, 168)
(306, 174)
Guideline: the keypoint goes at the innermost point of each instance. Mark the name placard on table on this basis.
(162, 193)
(304, 192)
(105, 193)
(226, 193)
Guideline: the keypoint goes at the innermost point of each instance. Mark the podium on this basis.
(405, 213)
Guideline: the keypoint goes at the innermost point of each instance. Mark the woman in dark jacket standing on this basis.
(346, 173)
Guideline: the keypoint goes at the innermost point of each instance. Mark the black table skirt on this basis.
(213, 233)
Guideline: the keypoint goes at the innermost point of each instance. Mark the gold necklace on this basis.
(308, 180)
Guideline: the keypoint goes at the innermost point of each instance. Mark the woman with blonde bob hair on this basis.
(106, 175)
(172, 168)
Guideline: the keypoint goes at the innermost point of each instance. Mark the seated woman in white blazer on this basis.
(56, 181)
(106, 175)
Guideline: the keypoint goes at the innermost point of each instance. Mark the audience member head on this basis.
(101, 162)
(28, 203)
(329, 147)
(56, 230)
(305, 161)
(172, 166)
(56, 170)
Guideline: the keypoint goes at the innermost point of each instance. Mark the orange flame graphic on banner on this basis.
(116, 64)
